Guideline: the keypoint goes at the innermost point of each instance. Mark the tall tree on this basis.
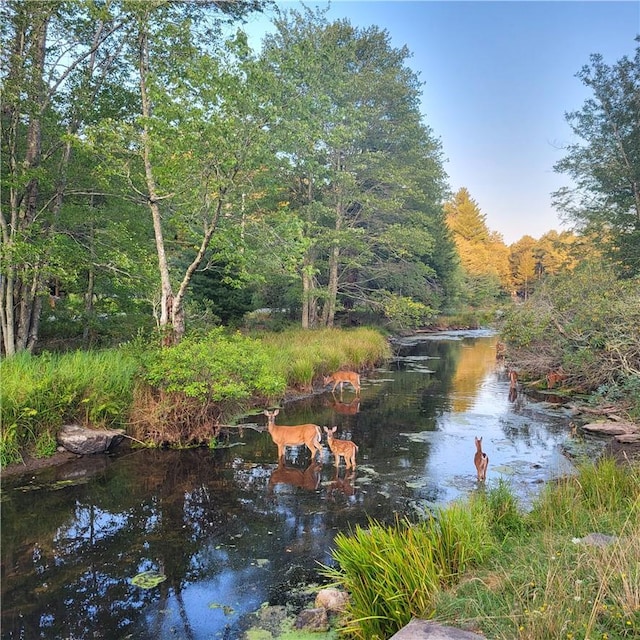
(483, 254)
(53, 68)
(188, 155)
(605, 164)
(361, 166)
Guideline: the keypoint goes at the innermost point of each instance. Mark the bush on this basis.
(218, 367)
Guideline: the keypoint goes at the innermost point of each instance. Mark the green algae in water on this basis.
(148, 579)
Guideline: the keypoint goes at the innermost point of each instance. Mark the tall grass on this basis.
(487, 566)
(41, 393)
(394, 572)
(170, 396)
(548, 581)
(302, 356)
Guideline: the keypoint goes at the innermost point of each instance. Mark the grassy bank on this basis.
(173, 396)
(487, 566)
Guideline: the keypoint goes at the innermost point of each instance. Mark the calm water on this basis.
(230, 529)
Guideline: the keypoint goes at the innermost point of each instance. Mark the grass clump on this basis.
(303, 356)
(41, 393)
(394, 572)
(485, 565)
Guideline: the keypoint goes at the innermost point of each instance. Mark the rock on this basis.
(83, 441)
(628, 438)
(596, 540)
(611, 428)
(332, 600)
(313, 620)
(419, 629)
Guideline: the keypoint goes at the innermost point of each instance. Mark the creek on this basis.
(229, 529)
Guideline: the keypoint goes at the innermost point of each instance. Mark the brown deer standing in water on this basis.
(513, 385)
(292, 436)
(341, 377)
(481, 460)
(342, 448)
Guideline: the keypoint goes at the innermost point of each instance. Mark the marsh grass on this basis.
(547, 582)
(40, 393)
(304, 356)
(487, 566)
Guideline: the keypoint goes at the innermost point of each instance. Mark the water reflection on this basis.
(230, 527)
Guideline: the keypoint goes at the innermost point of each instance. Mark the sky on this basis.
(499, 78)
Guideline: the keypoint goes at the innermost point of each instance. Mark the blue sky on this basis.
(498, 78)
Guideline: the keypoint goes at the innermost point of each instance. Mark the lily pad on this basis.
(148, 579)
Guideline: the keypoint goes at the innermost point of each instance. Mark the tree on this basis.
(55, 67)
(483, 254)
(189, 154)
(363, 171)
(605, 164)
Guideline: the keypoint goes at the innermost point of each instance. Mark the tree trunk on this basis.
(166, 301)
(21, 283)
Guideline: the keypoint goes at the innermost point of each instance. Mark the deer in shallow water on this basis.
(481, 460)
(342, 448)
(342, 377)
(293, 436)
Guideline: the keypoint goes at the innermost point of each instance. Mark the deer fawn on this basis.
(481, 460)
(340, 377)
(342, 448)
(554, 377)
(293, 436)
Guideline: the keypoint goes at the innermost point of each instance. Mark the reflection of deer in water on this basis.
(292, 436)
(481, 460)
(342, 448)
(341, 378)
(308, 479)
(346, 408)
(344, 485)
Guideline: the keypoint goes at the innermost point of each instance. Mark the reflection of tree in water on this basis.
(476, 359)
(157, 512)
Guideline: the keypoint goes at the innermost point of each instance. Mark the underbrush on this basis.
(173, 396)
(486, 566)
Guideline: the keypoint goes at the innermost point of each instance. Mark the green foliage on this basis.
(406, 313)
(45, 445)
(393, 573)
(605, 163)
(41, 393)
(218, 367)
(588, 322)
(9, 444)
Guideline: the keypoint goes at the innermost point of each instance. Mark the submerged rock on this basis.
(313, 620)
(332, 600)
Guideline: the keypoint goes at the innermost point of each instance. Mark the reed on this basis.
(547, 581)
(40, 393)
